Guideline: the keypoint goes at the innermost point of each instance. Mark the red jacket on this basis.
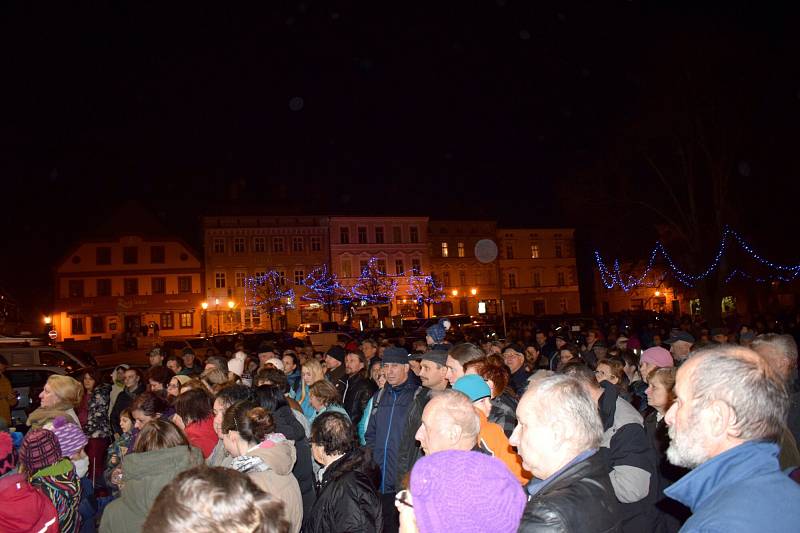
(202, 435)
(25, 508)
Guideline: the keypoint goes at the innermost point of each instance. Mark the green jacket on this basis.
(144, 475)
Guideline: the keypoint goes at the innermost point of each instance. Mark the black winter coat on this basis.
(303, 471)
(579, 499)
(358, 390)
(347, 499)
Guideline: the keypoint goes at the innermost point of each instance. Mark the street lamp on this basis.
(473, 291)
(204, 305)
(230, 313)
(48, 320)
(454, 292)
(216, 309)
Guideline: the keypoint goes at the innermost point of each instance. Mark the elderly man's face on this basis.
(688, 439)
(533, 440)
(680, 349)
(435, 433)
(513, 359)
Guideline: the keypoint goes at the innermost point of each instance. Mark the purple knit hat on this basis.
(39, 450)
(70, 436)
(465, 492)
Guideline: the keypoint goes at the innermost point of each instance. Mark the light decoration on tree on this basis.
(324, 288)
(373, 285)
(426, 290)
(267, 293)
(614, 277)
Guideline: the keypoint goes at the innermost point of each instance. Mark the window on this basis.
(446, 278)
(299, 277)
(76, 288)
(563, 305)
(561, 281)
(259, 245)
(534, 251)
(509, 251)
(361, 266)
(415, 266)
(184, 283)
(362, 235)
(130, 286)
(539, 307)
(98, 324)
(282, 277)
(399, 267)
(158, 285)
(187, 320)
(103, 255)
(397, 234)
(104, 287)
(444, 250)
(379, 235)
(344, 235)
(277, 245)
(558, 250)
(413, 234)
(219, 280)
(260, 274)
(297, 244)
(239, 278)
(461, 249)
(347, 268)
(167, 321)
(316, 244)
(382, 265)
(514, 307)
(78, 326)
(537, 279)
(130, 255)
(219, 245)
(462, 278)
(157, 255)
(238, 245)
(512, 280)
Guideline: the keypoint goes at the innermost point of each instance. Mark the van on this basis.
(321, 342)
(47, 356)
(304, 330)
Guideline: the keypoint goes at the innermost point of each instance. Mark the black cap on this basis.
(337, 352)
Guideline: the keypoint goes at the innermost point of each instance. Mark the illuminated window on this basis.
(259, 245)
(347, 268)
(461, 249)
(219, 280)
(187, 320)
(167, 321)
(239, 277)
(444, 249)
(534, 251)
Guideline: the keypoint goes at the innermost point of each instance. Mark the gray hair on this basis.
(459, 409)
(569, 403)
(783, 345)
(743, 380)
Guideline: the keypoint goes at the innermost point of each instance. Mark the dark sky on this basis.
(494, 109)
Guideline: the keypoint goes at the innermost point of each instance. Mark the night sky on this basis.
(532, 113)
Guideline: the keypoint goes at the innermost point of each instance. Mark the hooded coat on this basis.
(144, 475)
(269, 465)
(303, 470)
(25, 508)
(347, 499)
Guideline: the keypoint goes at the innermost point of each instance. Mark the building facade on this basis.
(538, 271)
(400, 245)
(466, 281)
(130, 284)
(238, 248)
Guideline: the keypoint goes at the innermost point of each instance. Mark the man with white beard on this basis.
(729, 413)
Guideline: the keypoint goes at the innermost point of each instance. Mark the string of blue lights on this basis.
(615, 277)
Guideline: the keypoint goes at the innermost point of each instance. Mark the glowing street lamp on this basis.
(454, 292)
(203, 319)
(48, 320)
(658, 293)
(473, 291)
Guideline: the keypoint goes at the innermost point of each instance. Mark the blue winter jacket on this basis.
(740, 490)
(385, 429)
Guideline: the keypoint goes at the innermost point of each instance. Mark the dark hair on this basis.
(219, 362)
(158, 435)
(465, 352)
(232, 393)
(194, 405)
(270, 397)
(579, 371)
(617, 369)
(334, 432)
(135, 371)
(160, 374)
(274, 376)
(253, 423)
(178, 360)
(293, 355)
(323, 390)
(150, 404)
(3, 360)
(94, 373)
(209, 499)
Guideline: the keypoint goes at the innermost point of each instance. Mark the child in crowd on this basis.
(120, 447)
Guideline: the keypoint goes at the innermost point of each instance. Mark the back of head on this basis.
(580, 372)
(194, 405)
(455, 407)
(253, 423)
(324, 391)
(149, 404)
(744, 381)
(207, 500)
(159, 435)
(570, 405)
(67, 389)
(334, 432)
(232, 393)
(780, 350)
(270, 397)
(219, 362)
(272, 376)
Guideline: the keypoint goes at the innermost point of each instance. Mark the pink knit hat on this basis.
(657, 356)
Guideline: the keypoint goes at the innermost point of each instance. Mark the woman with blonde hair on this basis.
(60, 397)
(311, 373)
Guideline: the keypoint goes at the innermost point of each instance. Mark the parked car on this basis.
(28, 340)
(48, 356)
(28, 382)
(321, 342)
(199, 345)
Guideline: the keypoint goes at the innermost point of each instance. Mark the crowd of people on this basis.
(600, 430)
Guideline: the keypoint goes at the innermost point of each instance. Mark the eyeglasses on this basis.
(403, 498)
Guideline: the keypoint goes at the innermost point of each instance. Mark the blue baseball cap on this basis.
(473, 386)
